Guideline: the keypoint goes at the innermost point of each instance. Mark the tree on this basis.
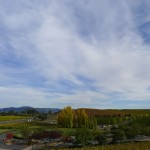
(65, 117)
(69, 118)
(42, 116)
(92, 123)
(12, 112)
(50, 112)
(133, 130)
(102, 139)
(81, 118)
(118, 136)
(31, 112)
(114, 121)
(83, 136)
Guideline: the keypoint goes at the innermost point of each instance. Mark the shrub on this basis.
(83, 136)
(118, 136)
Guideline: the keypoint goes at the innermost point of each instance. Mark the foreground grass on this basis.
(131, 146)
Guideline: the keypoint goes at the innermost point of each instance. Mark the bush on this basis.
(83, 136)
(102, 139)
(9, 135)
(46, 134)
(119, 135)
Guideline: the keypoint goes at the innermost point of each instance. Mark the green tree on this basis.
(119, 135)
(42, 116)
(31, 112)
(102, 139)
(114, 121)
(50, 112)
(92, 123)
(83, 136)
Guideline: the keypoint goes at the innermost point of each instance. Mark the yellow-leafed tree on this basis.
(65, 117)
(81, 118)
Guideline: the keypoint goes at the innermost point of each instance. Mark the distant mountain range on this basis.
(23, 108)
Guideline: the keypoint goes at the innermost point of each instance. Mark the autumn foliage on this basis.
(75, 118)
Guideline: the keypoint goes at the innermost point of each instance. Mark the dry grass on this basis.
(131, 146)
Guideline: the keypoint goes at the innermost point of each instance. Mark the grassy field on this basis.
(9, 118)
(131, 146)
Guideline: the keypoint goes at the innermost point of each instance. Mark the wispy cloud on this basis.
(80, 53)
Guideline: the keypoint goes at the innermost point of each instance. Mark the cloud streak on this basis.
(79, 53)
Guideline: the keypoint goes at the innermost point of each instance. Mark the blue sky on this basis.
(83, 53)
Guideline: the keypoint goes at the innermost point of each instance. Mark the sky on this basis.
(81, 53)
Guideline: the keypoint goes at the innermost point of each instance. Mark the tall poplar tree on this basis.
(81, 118)
(65, 117)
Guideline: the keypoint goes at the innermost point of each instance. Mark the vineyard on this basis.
(131, 146)
(24, 125)
(119, 113)
(9, 118)
(18, 125)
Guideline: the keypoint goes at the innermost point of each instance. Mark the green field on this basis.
(9, 118)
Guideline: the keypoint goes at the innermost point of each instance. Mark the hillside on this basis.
(23, 108)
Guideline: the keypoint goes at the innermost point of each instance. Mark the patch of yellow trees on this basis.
(69, 118)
